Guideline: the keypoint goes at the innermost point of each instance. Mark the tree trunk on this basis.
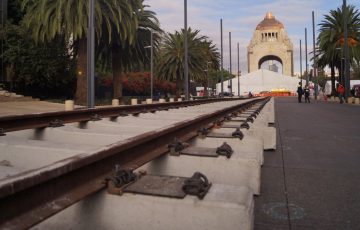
(81, 74)
(206, 89)
(333, 90)
(179, 84)
(117, 75)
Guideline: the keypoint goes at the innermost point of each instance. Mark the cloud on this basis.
(241, 17)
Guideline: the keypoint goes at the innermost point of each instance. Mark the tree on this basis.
(48, 18)
(127, 55)
(331, 39)
(170, 65)
(42, 70)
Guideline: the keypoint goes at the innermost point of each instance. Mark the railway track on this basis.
(82, 148)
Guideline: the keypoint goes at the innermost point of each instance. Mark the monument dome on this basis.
(269, 22)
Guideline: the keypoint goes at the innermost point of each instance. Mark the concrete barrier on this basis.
(357, 101)
(149, 101)
(350, 100)
(171, 99)
(162, 100)
(69, 105)
(179, 99)
(224, 207)
(115, 102)
(134, 101)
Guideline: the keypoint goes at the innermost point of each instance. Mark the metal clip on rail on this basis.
(95, 117)
(238, 133)
(176, 147)
(122, 177)
(197, 185)
(245, 125)
(56, 123)
(250, 119)
(224, 150)
(203, 131)
(2, 132)
(217, 123)
(253, 115)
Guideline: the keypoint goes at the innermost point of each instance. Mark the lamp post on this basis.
(186, 71)
(207, 78)
(222, 66)
(90, 57)
(230, 63)
(341, 73)
(151, 63)
(300, 65)
(315, 61)
(238, 60)
(306, 59)
(346, 53)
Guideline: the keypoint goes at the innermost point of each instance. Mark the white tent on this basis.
(328, 85)
(260, 81)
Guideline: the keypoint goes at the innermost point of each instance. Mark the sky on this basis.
(240, 17)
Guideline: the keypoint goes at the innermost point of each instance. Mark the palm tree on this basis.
(331, 39)
(48, 18)
(124, 54)
(171, 61)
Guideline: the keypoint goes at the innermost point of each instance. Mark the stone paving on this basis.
(312, 180)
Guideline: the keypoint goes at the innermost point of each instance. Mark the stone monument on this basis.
(270, 42)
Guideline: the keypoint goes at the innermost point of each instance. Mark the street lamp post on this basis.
(207, 78)
(346, 52)
(314, 60)
(151, 63)
(238, 62)
(300, 64)
(341, 73)
(306, 59)
(221, 59)
(186, 71)
(90, 57)
(230, 63)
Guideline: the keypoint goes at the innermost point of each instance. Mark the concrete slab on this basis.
(224, 207)
(72, 137)
(249, 149)
(25, 157)
(266, 134)
(234, 171)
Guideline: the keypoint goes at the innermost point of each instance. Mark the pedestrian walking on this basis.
(300, 93)
(307, 94)
(340, 90)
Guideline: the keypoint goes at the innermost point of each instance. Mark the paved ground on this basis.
(29, 107)
(312, 180)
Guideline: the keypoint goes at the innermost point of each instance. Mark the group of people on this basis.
(303, 91)
(306, 91)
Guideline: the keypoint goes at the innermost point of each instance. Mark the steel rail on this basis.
(33, 196)
(43, 120)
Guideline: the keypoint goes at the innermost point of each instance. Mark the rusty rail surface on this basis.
(31, 197)
(43, 120)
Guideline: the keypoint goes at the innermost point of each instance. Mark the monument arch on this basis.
(270, 42)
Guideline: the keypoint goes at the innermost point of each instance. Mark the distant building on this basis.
(274, 68)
